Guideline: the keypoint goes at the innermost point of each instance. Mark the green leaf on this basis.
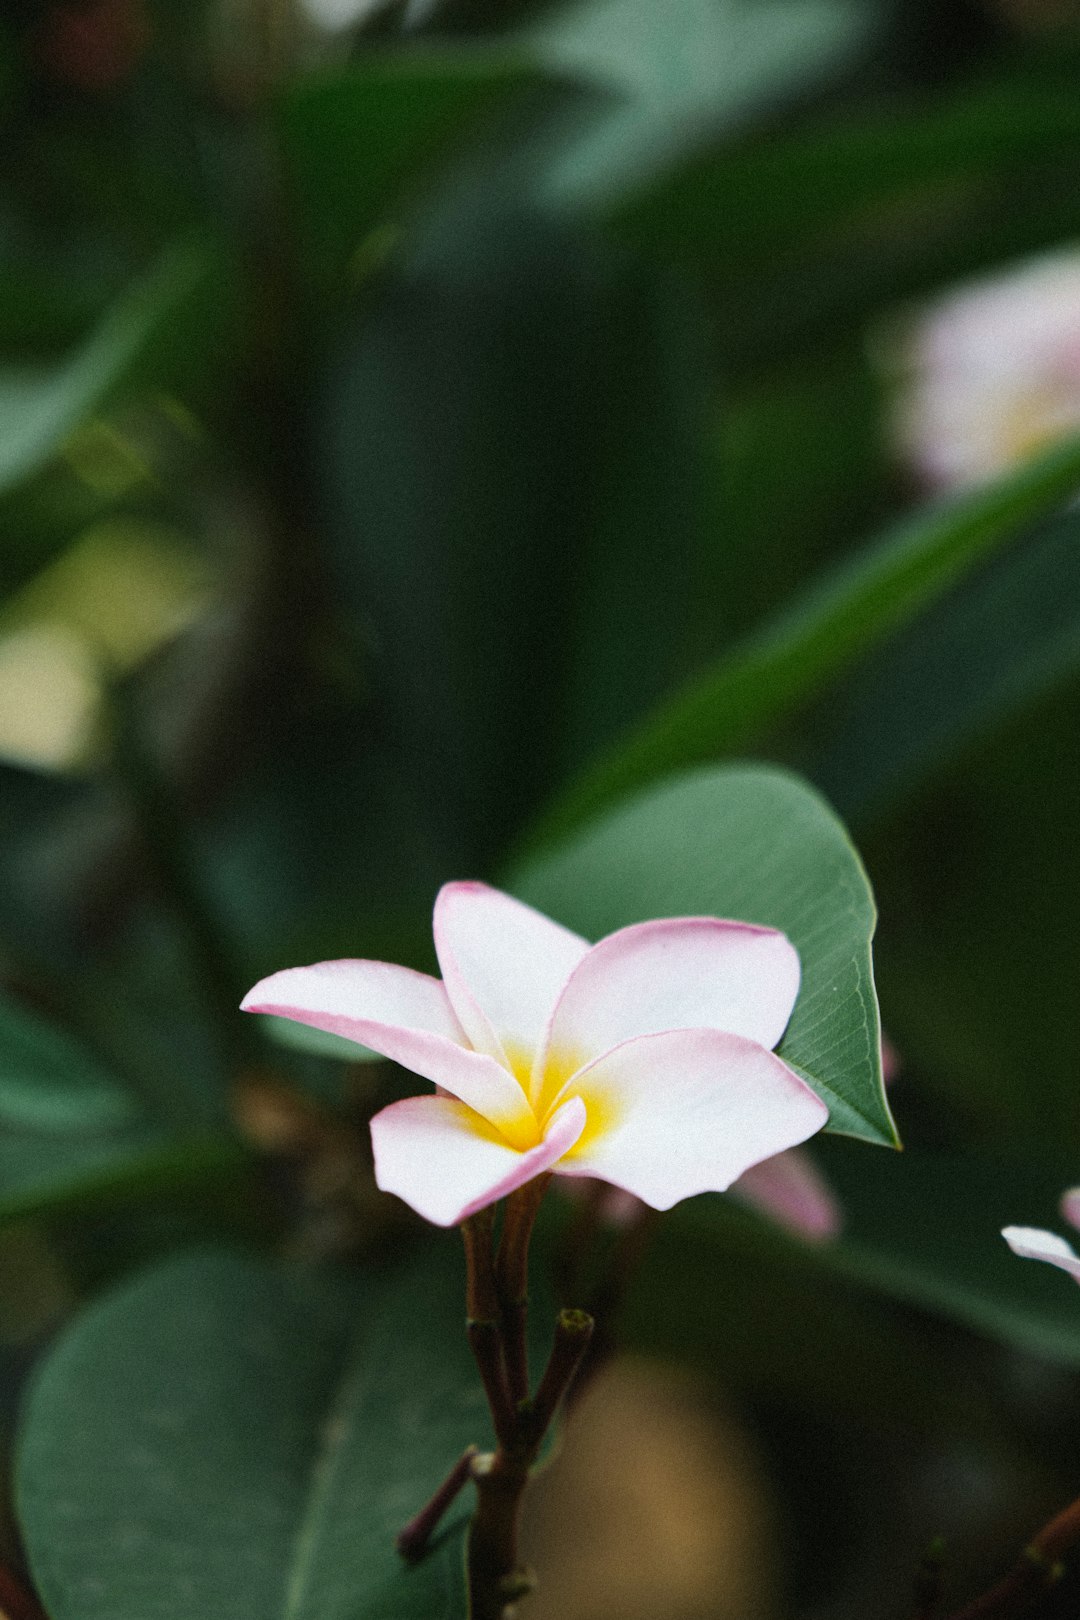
(720, 1288)
(69, 1128)
(261, 1435)
(50, 1084)
(696, 67)
(505, 432)
(752, 843)
(987, 653)
(75, 1136)
(979, 875)
(355, 142)
(62, 1178)
(926, 1228)
(867, 598)
(801, 236)
(736, 208)
(141, 339)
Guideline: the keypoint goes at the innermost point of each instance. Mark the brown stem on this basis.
(512, 1281)
(1038, 1568)
(485, 1342)
(413, 1540)
(481, 1295)
(573, 1330)
(496, 1577)
(484, 1319)
(496, 1295)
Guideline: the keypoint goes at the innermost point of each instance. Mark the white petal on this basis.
(676, 973)
(1031, 1243)
(404, 1015)
(503, 965)
(685, 1112)
(434, 1153)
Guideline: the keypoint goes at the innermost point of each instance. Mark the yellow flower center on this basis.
(545, 1094)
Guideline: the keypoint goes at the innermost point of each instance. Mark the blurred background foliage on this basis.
(419, 426)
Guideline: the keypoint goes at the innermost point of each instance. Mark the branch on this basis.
(1038, 1568)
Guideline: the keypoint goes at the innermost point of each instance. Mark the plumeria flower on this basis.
(645, 1060)
(1033, 1243)
(993, 373)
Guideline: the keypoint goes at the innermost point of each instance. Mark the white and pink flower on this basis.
(645, 1060)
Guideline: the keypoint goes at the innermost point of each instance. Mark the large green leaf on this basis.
(756, 844)
(259, 1435)
(846, 614)
(507, 430)
(986, 653)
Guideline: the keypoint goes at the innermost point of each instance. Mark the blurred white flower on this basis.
(993, 373)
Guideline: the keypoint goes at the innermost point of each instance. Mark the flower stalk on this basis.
(412, 1542)
(495, 1573)
(496, 1307)
(1037, 1570)
(512, 1281)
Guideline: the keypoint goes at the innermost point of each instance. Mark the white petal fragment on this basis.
(503, 965)
(678, 973)
(404, 1015)
(431, 1153)
(1031, 1243)
(686, 1112)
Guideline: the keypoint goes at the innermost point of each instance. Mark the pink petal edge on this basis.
(676, 973)
(402, 1014)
